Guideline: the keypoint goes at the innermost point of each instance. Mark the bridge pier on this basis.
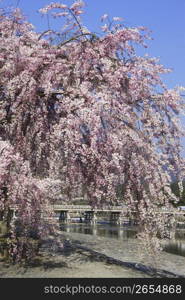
(115, 218)
(64, 216)
(90, 217)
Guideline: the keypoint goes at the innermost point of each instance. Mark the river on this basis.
(176, 246)
(104, 240)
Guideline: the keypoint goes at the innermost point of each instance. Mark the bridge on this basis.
(114, 214)
(58, 207)
(88, 214)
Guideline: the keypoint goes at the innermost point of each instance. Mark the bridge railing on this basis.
(87, 207)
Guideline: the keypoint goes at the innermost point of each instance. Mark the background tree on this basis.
(180, 196)
(85, 111)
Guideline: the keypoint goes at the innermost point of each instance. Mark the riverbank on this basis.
(78, 266)
(85, 256)
(70, 262)
(131, 251)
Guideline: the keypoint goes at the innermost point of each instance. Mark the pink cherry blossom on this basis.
(83, 116)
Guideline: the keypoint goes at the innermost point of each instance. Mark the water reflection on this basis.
(122, 232)
(175, 247)
(105, 230)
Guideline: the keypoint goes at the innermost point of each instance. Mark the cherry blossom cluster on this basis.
(83, 116)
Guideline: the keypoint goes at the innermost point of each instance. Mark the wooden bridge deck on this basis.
(75, 208)
(118, 209)
(80, 208)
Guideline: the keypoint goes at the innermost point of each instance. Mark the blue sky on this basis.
(165, 18)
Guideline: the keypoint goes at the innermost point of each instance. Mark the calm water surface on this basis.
(122, 232)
